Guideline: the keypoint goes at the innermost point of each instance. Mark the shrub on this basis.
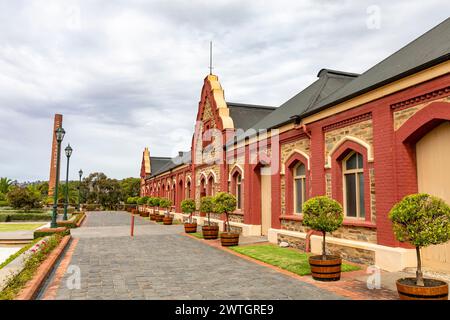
(165, 203)
(421, 220)
(224, 202)
(132, 200)
(23, 198)
(322, 214)
(151, 202)
(4, 203)
(188, 206)
(142, 200)
(156, 201)
(207, 206)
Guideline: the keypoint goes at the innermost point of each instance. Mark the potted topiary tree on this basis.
(225, 203)
(140, 202)
(131, 201)
(210, 232)
(150, 203)
(188, 206)
(421, 220)
(156, 201)
(325, 215)
(144, 212)
(165, 204)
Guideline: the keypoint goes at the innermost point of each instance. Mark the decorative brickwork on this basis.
(373, 209)
(402, 115)
(52, 181)
(362, 130)
(328, 184)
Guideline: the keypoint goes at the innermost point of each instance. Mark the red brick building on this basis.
(366, 140)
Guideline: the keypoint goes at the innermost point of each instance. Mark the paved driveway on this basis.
(160, 263)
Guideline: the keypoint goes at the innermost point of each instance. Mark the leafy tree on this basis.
(421, 220)
(23, 198)
(322, 214)
(224, 202)
(165, 204)
(5, 185)
(130, 187)
(188, 206)
(207, 206)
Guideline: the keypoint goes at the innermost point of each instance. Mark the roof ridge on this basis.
(248, 105)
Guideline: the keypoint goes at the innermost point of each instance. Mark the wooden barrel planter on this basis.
(167, 221)
(159, 218)
(190, 227)
(325, 270)
(229, 239)
(144, 214)
(433, 289)
(210, 232)
(153, 216)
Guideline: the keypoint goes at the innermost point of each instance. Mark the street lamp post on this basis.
(59, 138)
(80, 173)
(66, 196)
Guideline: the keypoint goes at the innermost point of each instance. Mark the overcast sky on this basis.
(128, 74)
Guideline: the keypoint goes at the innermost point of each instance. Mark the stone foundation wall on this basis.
(356, 255)
(236, 218)
(344, 232)
(294, 242)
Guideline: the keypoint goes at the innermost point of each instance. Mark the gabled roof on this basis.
(157, 163)
(172, 163)
(328, 82)
(431, 48)
(246, 115)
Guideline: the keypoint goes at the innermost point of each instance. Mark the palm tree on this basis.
(5, 185)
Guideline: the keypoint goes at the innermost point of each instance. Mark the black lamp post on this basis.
(59, 138)
(80, 173)
(66, 196)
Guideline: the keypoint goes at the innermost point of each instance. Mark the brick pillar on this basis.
(52, 180)
(317, 164)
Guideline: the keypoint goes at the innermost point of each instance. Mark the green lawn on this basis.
(9, 227)
(284, 258)
(197, 235)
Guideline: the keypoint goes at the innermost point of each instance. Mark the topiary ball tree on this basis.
(165, 203)
(188, 206)
(224, 202)
(421, 220)
(207, 206)
(156, 201)
(322, 214)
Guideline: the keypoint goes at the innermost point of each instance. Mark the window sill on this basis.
(355, 223)
(238, 212)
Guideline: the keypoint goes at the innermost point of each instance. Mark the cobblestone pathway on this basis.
(160, 263)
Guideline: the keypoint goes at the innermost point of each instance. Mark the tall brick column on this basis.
(52, 181)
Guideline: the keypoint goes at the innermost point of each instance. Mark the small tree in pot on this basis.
(165, 204)
(140, 202)
(131, 201)
(188, 206)
(210, 232)
(152, 203)
(421, 220)
(325, 215)
(144, 212)
(226, 203)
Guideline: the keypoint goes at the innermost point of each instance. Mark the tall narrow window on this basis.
(299, 187)
(354, 185)
(238, 191)
(188, 190)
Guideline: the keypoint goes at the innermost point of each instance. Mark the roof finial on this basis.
(210, 58)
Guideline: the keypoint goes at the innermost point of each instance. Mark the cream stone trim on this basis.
(232, 168)
(211, 172)
(283, 166)
(200, 178)
(219, 98)
(187, 179)
(354, 139)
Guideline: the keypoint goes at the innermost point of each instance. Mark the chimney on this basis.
(180, 154)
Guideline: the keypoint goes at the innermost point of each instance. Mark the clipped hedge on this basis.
(72, 222)
(19, 216)
(44, 232)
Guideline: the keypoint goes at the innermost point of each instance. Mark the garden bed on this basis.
(285, 258)
(25, 284)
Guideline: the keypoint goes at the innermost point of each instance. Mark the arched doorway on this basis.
(433, 177)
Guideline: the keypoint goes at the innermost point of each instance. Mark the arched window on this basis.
(353, 170)
(299, 187)
(237, 183)
(188, 190)
(210, 190)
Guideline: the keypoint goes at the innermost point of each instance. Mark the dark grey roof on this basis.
(156, 163)
(431, 48)
(246, 115)
(172, 163)
(328, 82)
